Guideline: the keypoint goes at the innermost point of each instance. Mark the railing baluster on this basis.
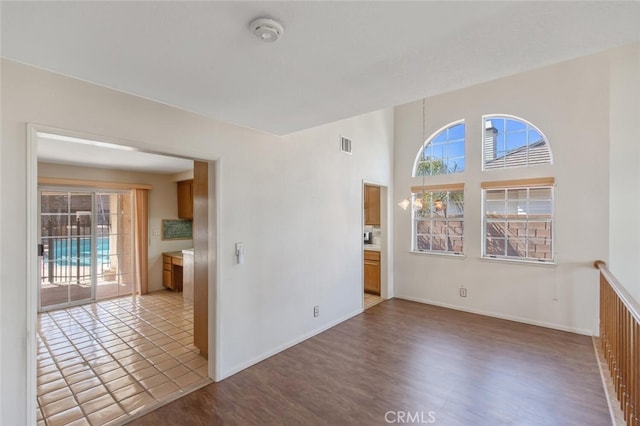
(620, 334)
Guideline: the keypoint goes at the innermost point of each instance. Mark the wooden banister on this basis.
(620, 335)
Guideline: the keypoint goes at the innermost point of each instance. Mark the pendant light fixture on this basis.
(418, 203)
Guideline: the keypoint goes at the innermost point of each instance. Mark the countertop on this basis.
(173, 253)
(372, 247)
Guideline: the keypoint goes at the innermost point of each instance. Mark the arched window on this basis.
(510, 141)
(442, 152)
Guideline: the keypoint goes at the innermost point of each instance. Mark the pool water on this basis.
(80, 250)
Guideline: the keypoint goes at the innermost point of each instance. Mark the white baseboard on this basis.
(529, 321)
(236, 369)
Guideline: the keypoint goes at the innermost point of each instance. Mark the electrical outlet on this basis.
(316, 311)
(463, 292)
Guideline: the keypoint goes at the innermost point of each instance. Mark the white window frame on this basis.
(529, 124)
(414, 219)
(429, 140)
(506, 187)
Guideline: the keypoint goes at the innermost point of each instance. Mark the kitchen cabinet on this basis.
(371, 205)
(372, 272)
(172, 270)
(185, 199)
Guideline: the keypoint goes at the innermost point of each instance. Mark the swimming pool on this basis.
(67, 251)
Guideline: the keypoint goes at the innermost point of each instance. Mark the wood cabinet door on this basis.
(185, 199)
(372, 277)
(166, 279)
(371, 205)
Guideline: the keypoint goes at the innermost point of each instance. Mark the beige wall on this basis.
(569, 102)
(162, 205)
(624, 164)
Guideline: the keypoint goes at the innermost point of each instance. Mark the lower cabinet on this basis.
(172, 270)
(372, 272)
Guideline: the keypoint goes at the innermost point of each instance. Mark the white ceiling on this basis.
(335, 59)
(73, 151)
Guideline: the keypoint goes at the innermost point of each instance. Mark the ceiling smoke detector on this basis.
(266, 29)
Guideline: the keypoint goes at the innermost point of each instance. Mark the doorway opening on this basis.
(375, 237)
(102, 349)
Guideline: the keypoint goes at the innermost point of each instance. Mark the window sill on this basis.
(552, 264)
(459, 256)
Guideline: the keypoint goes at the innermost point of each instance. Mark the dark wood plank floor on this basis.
(452, 367)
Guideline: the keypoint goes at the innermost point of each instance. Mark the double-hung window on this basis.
(518, 219)
(438, 219)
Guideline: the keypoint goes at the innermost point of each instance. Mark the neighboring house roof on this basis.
(537, 153)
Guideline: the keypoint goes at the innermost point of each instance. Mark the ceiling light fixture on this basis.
(266, 29)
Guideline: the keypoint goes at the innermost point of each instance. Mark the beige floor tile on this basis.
(65, 417)
(163, 390)
(105, 415)
(196, 362)
(145, 373)
(97, 404)
(73, 369)
(127, 391)
(138, 365)
(58, 406)
(51, 386)
(137, 402)
(113, 375)
(80, 376)
(91, 393)
(176, 371)
(80, 422)
(50, 377)
(167, 365)
(187, 380)
(105, 368)
(153, 381)
(120, 383)
(157, 359)
(54, 396)
(83, 385)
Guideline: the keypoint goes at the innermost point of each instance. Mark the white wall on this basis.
(624, 166)
(569, 103)
(163, 204)
(294, 201)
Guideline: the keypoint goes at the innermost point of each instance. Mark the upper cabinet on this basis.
(185, 199)
(371, 205)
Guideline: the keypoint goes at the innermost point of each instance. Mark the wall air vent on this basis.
(345, 145)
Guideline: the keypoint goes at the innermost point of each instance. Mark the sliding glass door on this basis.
(86, 246)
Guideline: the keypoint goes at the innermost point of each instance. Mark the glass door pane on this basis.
(114, 241)
(65, 231)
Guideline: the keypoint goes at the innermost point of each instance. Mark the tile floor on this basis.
(104, 362)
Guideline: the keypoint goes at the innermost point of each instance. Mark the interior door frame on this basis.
(31, 273)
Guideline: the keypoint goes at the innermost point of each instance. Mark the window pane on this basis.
(442, 153)
(496, 229)
(423, 243)
(495, 247)
(511, 142)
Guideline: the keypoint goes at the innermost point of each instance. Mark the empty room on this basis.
(360, 213)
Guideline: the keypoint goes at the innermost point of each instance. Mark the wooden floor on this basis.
(449, 366)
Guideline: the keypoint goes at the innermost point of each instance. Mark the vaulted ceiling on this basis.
(335, 59)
